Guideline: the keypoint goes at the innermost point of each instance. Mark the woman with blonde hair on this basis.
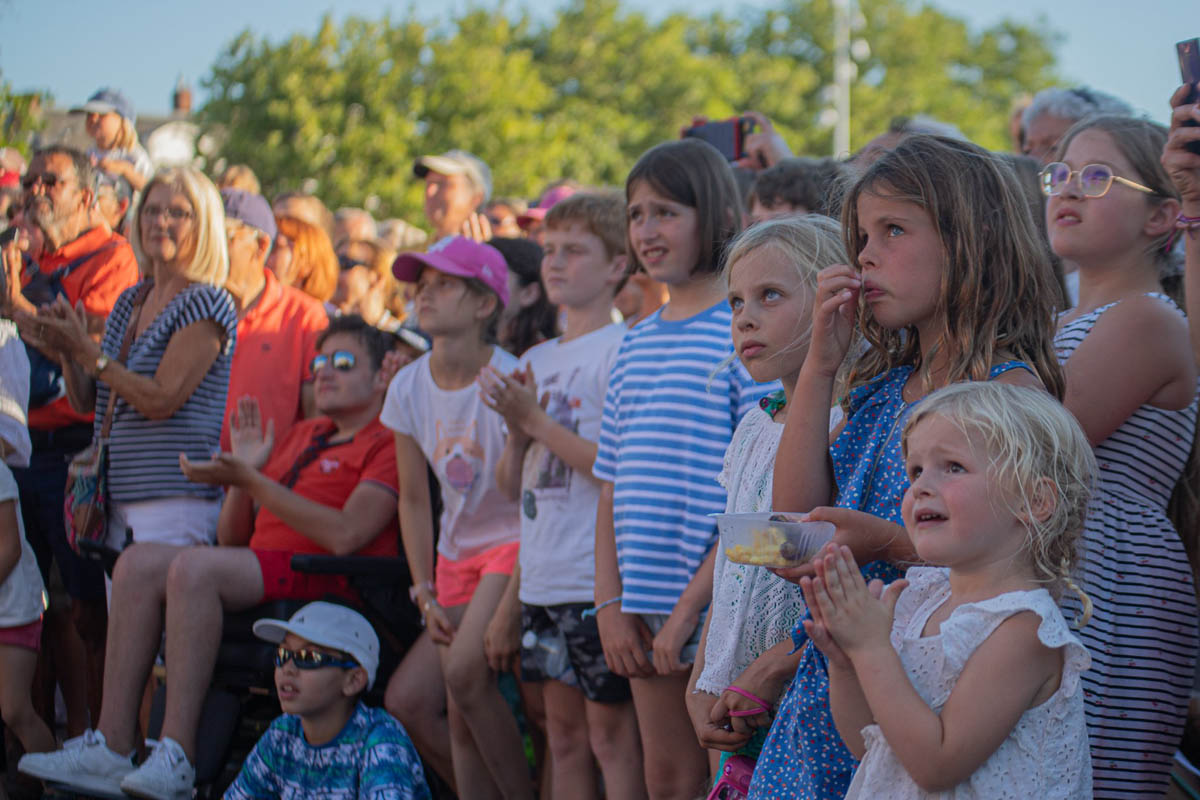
(303, 257)
(163, 363)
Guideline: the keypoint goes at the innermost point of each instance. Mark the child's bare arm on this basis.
(10, 539)
(682, 622)
(510, 463)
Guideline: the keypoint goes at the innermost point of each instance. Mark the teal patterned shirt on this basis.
(372, 758)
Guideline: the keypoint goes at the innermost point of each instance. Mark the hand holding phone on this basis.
(727, 135)
(1189, 69)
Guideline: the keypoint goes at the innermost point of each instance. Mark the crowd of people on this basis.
(974, 368)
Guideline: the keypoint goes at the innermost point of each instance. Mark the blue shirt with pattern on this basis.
(371, 758)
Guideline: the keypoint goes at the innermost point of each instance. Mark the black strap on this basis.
(320, 442)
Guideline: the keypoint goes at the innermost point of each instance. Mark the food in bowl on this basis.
(767, 539)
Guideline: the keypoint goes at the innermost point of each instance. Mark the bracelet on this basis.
(416, 588)
(591, 612)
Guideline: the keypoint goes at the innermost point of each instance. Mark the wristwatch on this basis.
(101, 363)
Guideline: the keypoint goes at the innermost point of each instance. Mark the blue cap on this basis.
(249, 209)
(105, 101)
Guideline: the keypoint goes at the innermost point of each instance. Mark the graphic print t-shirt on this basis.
(462, 440)
(558, 505)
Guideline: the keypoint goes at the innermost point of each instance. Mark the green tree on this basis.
(583, 93)
(20, 117)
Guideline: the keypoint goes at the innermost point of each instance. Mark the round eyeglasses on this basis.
(1094, 180)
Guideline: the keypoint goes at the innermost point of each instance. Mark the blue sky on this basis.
(72, 47)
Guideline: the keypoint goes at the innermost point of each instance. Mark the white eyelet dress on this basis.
(1046, 754)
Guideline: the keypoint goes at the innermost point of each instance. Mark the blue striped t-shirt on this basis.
(669, 413)
(143, 455)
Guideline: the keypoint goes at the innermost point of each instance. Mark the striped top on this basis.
(673, 402)
(143, 456)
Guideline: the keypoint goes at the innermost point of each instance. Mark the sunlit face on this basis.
(449, 201)
(445, 306)
(772, 313)
(665, 235)
(168, 225)
(1088, 230)
(504, 221)
(245, 252)
(103, 128)
(955, 510)
(309, 691)
(54, 199)
(576, 267)
(343, 390)
(902, 261)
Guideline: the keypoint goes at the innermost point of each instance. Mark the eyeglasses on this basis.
(341, 360)
(173, 213)
(311, 659)
(345, 262)
(1094, 180)
(48, 180)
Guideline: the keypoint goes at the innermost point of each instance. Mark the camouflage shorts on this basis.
(558, 643)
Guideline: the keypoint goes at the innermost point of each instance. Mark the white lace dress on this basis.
(1046, 755)
(752, 609)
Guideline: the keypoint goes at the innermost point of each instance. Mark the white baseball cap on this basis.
(328, 625)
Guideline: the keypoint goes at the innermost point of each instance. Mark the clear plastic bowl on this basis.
(761, 541)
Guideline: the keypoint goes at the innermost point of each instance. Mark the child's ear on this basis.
(355, 682)
(618, 266)
(1162, 220)
(1043, 499)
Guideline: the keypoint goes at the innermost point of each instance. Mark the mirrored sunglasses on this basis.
(1094, 180)
(311, 659)
(341, 360)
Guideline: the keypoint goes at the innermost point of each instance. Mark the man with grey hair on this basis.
(457, 185)
(1054, 111)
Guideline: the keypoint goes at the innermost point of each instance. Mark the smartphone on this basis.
(727, 135)
(1189, 70)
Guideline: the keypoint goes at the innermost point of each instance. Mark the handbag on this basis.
(85, 506)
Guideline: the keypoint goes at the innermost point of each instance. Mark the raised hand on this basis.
(765, 147)
(513, 396)
(250, 441)
(857, 618)
(1181, 164)
(835, 318)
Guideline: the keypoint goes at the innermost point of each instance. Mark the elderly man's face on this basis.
(55, 201)
(449, 200)
(1043, 133)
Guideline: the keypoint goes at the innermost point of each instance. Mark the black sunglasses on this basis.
(47, 179)
(311, 659)
(342, 361)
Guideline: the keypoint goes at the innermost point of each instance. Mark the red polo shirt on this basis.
(329, 479)
(276, 342)
(98, 282)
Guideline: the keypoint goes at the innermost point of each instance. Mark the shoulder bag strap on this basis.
(126, 343)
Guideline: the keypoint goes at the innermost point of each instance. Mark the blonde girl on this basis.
(744, 661)
(963, 680)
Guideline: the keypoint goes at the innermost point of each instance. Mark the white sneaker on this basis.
(84, 763)
(166, 774)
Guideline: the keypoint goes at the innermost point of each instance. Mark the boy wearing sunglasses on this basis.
(327, 743)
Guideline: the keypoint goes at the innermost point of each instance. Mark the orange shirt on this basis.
(329, 479)
(276, 342)
(98, 282)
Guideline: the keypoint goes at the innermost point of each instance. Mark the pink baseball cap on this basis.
(544, 204)
(459, 256)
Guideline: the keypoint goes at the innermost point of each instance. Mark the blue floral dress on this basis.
(804, 758)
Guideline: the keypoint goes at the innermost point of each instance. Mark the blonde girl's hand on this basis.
(713, 734)
(857, 617)
(1182, 165)
(818, 632)
(835, 318)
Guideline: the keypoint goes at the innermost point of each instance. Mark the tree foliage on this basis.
(583, 93)
(20, 117)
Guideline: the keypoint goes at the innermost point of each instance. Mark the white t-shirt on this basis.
(462, 440)
(22, 596)
(558, 505)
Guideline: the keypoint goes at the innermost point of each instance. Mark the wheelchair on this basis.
(241, 702)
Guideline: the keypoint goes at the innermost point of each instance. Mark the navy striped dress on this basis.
(143, 460)
(1142, 635)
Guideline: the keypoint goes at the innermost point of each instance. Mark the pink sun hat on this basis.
(544, 204)
(459, 256)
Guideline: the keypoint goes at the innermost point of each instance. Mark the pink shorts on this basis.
(28, 636)
(457, 580)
